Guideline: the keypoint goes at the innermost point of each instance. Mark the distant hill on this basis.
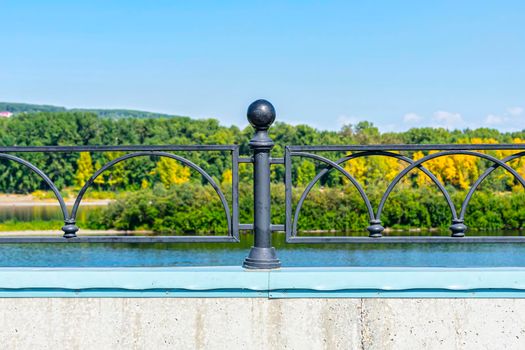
(17, 108)
(28, 108)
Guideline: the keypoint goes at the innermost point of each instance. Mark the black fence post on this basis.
(261, 115)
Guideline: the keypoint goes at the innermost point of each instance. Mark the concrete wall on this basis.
(259, 323)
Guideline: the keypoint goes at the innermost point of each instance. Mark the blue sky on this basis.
(399, 64)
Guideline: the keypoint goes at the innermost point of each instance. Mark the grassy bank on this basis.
(190, 208)
(36, 225)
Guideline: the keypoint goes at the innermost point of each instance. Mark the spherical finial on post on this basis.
(261, 114)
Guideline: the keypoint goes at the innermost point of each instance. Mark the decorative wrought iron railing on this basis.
(375, 229)
(261, 115)
(70, 228)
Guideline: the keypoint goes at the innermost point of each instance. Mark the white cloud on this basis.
(411, 118)
(515, 111)
(448, 120)
(294, 122)
(492, 119)
(509, 121)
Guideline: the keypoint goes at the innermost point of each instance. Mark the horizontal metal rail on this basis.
(119, 239)
(123, 148)
(272, 160)
(272, 227)
(409, 239)
(410, 147)
(299, 240)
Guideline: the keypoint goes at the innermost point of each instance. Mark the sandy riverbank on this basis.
(12, 200)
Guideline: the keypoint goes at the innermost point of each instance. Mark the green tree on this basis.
(227, 177)
(305, 172)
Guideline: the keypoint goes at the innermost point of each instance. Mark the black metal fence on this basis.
(261, 115)
(70, 228)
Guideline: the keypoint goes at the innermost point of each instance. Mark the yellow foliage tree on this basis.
(84, 169)
(421, 178)
(171, 172)
(116, 176)
(457, 170)
(99, 180)
(370, 171)
(356, 167)
(227, 177)
(517, 164)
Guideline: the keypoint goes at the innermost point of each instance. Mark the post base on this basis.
(375, 229)
(70, 229)
(261, 258)
(458, 228)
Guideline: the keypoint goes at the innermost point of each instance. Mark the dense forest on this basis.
(160, 194)
(20, 108)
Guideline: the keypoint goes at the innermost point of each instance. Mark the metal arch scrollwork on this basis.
(70, 228)
(185, 161)
(457, 227)
(334, 165)
(483, 176)
(44, 177)
(375, 229)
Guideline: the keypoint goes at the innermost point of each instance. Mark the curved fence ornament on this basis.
(482, 177)
(185, 161)
(375, 229)
(70, 228)
(458, 228)
(44, 177)
(336, 166)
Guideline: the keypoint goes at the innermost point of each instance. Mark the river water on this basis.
(26, 213)
(222, 254)
(225, 254)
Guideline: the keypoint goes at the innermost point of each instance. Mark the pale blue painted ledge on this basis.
(284, 283)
